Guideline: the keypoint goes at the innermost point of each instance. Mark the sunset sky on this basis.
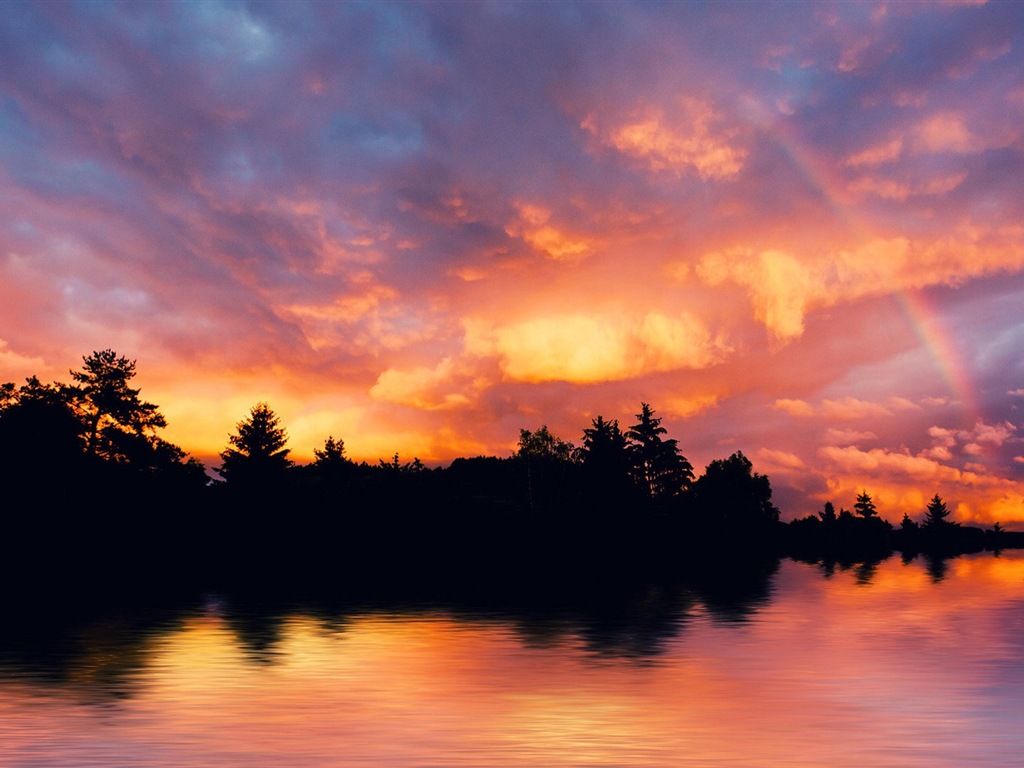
(794, 229)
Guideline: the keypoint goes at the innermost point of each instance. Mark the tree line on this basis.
(95, 444)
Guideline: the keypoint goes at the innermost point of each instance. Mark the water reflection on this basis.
(100, 639)
(879, 664)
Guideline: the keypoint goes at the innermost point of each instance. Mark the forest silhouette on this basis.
(101, 492)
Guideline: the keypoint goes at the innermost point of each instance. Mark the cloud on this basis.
(783, 287)
(687, 141)
(779, 460)
(944, 437)
(903, 481)
(855, 460)
(844, 409)
(852, 409)
(944, 132)
(982, 438)
(993, 434)
(688, 406)
(939, 453)
(533, 226)
(891, 189)
(589, 348)
(795, 407)
(878, 154)
(14, 366)
(427, 388)
(848, 436)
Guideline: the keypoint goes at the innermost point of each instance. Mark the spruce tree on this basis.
(256, 453)
(657, 466)
(935, 517)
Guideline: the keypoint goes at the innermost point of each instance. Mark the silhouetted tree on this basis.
(332, 455)
(935, 517)
(604, 445)
(118, 425)
(732, 496)
(396, 465)
(256, 453)
(112, 425)
(864, 506)
(907, 524)
(40, 434)
(543, 460)
(828, 514)
(542, 444)
(604, 461)
(8, 395)
(658, 468)
(330, 464)
(333, 451)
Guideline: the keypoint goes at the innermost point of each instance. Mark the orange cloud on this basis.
(795, 407)
(852, 409)
(689, 143)
(588, 348)
(15, 367)
(848, 436)
(781, 287)
(844, 409)
(427, 388)
(772, 460)
(683, 407)
(877, 460)
(902, 483)
(533, 226)
(784, 286)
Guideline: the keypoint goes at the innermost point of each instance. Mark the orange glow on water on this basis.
(906, 655)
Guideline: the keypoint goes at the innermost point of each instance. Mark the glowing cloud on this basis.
(903, 482)
(687, 143)
(534, 227)
(590, 348)
(781, 287)
(425, 388)
(784, 287)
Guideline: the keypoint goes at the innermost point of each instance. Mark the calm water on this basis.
(900, 665)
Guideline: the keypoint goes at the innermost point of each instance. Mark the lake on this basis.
(892, 664)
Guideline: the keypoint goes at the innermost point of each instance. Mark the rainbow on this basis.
(823, 175)
(937, 341)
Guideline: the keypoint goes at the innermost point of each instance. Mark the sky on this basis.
(794, 229)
